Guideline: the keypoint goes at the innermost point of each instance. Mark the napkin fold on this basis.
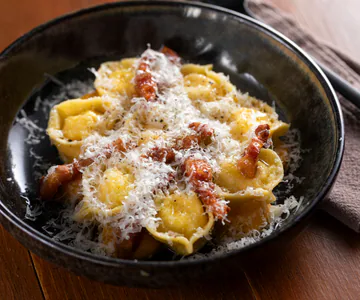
(344, 200)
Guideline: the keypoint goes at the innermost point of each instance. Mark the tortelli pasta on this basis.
(165, 154)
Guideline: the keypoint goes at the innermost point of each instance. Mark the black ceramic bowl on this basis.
(258, 59)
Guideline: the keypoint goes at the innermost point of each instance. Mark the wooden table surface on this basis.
(323, 262)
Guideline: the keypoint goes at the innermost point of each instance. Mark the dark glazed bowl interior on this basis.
(258, 59)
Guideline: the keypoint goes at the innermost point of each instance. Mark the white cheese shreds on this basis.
(36, 133)
(152, 125)
(279, 214)
(292, 142)
(32, 211)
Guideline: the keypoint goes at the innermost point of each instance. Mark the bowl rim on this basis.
(269, 31)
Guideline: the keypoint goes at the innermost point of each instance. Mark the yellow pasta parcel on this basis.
(270, 172)
(111, 190)
(245, 120)
(116, 78)
(201, 83)
(72, 121)
(184, 225)
(249, 210)
(128, 192)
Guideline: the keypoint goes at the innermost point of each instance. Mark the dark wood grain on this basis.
(322, 263)
(18, 17)
(17, 277)
(57, 283)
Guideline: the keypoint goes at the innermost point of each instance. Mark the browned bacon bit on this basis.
(200, 176)
(203, 130)
(145, 84)
(247, 164)
(197, 170)
(167, 154)
(58, 175)
(170, 54)
(186, 142)
(161, 154)
(61, 174)
(203, 135)
(263, 133)
(121, 147)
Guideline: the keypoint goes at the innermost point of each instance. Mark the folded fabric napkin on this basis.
(343, 202)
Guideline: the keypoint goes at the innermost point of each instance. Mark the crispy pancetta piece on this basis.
(199, 174)
(161, 154)
(62, 174)
(203, 134)
(170, 54)
(145, 85)
(247, 164)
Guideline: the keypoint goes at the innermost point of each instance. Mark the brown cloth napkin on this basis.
(343, 202)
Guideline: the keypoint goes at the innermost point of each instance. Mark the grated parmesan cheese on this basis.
(160, 123)
(278, 216)
(36, 133)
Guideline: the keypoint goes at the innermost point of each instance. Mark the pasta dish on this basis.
(165, 154)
